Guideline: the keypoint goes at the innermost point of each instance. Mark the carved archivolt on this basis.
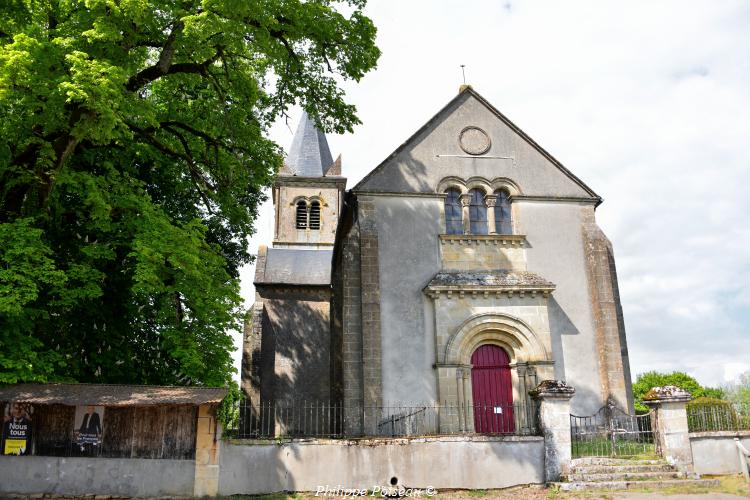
(488, 186)
(508, 332)
(308, 200)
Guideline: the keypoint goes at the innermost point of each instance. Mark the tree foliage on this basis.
(739, 390)
(133, 158)
(646, 381)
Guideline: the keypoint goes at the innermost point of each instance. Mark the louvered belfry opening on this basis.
(315, 215)
(302, 215)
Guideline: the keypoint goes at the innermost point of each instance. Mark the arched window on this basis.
(301, 214)
(477, 212)
(453, 222)
(315, 215)
(503, 221)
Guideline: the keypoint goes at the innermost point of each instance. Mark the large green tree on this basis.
(646, 381)
(133, 157)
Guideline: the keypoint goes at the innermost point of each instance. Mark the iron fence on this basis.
(331, 420)
(611, 432)
(728, 417)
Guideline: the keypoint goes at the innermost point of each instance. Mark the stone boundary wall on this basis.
(716, 452)
(465, 462)
(81, 476)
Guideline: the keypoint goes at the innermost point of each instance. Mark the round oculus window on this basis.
(474, 140)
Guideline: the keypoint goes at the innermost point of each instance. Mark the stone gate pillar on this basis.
(671, 425)
(207, 445)
(553, 397)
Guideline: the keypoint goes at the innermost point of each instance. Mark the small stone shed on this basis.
(116, 439)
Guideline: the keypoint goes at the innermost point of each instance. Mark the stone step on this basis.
(616, 461)
(604, 469)
(629, 485)
(623, 476)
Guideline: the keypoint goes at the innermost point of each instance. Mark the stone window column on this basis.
(460, 399)
(553, 397)
(670, 411)
(465, 202)
(490, 200)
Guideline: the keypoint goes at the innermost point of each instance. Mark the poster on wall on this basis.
(88, 427)
(17, 428)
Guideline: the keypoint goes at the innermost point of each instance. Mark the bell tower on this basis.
(308, 193)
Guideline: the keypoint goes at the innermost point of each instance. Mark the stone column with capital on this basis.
(553, 397)
(671, 424)
(465, 199)
(491, 201)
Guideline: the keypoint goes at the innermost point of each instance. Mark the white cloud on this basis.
(647, 102)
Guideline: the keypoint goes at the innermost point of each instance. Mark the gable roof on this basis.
(468, 90)
(309, 154)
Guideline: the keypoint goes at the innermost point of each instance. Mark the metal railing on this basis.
(729, 417)
(300, 419)
(611, 432)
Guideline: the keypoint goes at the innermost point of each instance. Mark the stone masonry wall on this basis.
(614, 370)
(370, 287)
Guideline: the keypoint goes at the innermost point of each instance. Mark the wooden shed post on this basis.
(207, 444)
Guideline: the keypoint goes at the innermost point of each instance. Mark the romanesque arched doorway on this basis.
(492, 390)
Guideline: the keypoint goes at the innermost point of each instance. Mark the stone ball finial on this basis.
(667, 393)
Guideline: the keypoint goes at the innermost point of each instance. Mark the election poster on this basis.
(88, 427)
(17, 429)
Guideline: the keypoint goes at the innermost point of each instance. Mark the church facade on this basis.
(467, 266)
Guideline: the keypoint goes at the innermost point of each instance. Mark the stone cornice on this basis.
(486, 292)
(556, 199)
(510, 240)
(393, 194)
(513, 198)
(300, 180)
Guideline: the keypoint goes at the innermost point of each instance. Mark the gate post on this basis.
(553, 397)
(669, 405)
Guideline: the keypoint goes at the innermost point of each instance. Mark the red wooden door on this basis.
(492, 390)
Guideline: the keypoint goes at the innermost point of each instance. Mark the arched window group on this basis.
(480, 205)
(308, 215)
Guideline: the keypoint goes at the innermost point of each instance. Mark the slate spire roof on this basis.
(309, 155)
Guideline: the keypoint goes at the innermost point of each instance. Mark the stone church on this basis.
(464, 268)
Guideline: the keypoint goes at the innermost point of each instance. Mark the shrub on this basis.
(711, 414)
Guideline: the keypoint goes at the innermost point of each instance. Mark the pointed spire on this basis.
(309, 155)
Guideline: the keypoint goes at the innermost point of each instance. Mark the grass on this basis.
(603, 448)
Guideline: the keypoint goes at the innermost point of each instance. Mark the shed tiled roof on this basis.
(286, 266)
(110, 395)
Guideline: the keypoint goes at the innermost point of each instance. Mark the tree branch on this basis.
(164, 65)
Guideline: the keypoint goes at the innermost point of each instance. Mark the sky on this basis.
(647, 102)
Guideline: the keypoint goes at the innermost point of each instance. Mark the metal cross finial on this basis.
(463, 72)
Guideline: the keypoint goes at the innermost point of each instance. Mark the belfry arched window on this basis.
(453, 213)
(301, 216)
(315, 215)
(503, 220)
(477, 212)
